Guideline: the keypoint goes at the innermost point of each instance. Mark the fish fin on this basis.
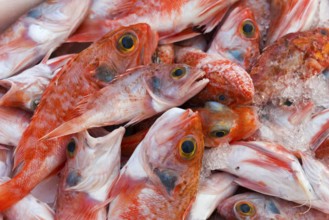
(214, 12)
(60, 61)
(183, 35)
(125, 8)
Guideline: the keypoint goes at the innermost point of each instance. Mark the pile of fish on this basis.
(133, 109)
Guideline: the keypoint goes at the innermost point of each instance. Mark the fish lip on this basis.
(197, 82)
(167, 177)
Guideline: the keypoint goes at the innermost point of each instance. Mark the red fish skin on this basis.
(300, 55)
(80, 77)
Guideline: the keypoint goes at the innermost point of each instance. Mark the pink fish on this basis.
(25, 89)
(238, 38)
(145, 91)
(257, 206)
(92, 167)
(212, 191)
(39, 31)
(264, 167)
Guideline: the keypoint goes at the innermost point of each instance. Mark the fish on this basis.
(290, 62)
(291, 16)
(28, 208)
(92, 167)
(238, 38)
(277, 170)
(86, 73)
(13, 123)
(222, 124)
(25, 89)
(145, 92)
(39, 32)
(253, 205)
(212, 191)
(229, 83)
(161, 178)
(174, 21)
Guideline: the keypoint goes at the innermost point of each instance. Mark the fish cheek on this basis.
(73, 178)
(272, 207)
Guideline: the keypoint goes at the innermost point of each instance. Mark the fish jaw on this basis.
(25, 90)
(280, 173)
(320, 129)
(318, 175)
(212, 191)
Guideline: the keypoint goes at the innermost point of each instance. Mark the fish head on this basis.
(173, 152)
(91, 160)
(249, 206)
(217, 123)
(128, 47)
(174, 84)
(238, 39)
(222, 124)
(229, 84)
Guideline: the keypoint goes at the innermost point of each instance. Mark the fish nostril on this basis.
(73, 178)
(168, 179)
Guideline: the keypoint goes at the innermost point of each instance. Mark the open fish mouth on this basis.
(197, 82)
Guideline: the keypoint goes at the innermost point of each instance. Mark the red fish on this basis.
(161, 178)
(228, 84)
(289, 62)
(89, 71)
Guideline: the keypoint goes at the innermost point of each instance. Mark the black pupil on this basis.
(221, 97)
(178, 72)
(71, 147)
(188, 147)
(245, 208)
(248, 28)
(220, 133)
(288, 103)
(127, 42)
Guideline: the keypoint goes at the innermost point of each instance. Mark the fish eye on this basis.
(187, 147)
(221, 97)
(245, 208)
(287, 102)
(178, 72)
(70, 149)
(35, 104)
(127, 42)
(219, 133)
(248, 28)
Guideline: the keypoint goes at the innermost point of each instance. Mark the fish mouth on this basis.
(168, 178)
(196, 83)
